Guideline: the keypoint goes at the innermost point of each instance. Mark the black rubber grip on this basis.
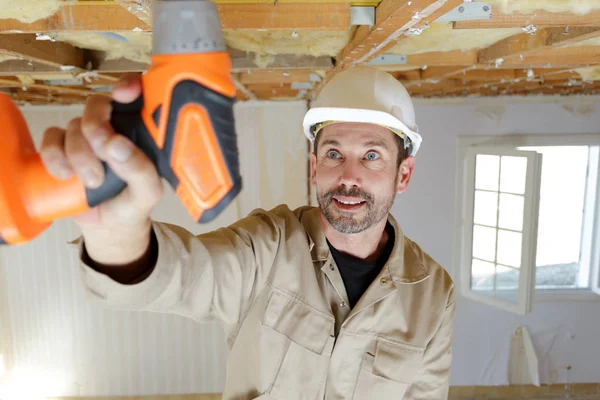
(126, 119)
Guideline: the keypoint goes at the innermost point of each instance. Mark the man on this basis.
(331, 302)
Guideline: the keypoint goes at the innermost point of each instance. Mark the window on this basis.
(526, 217)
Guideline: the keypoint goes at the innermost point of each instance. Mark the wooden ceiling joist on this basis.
(79, 17)
(275, 76)
(313, 16)
(54, 54)
(111, 17)
(8, 82)
(443, 58)
(539, 19)
(141, 9)
(518, 47)
(393, 20)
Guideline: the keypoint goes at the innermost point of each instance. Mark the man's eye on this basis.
(333, 154)
(372, 156)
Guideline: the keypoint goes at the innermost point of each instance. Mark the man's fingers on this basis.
(83, 160)
(95, 123)
(128, 89)
(130, 164)
(53, 154)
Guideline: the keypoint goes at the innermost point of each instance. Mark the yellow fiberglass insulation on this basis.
(137, 48)
(589, 74)
(28, 11)
(441, 37)
(529, 6)
(267, 43)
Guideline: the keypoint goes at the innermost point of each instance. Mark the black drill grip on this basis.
(126, 120)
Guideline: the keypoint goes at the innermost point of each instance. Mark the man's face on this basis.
(356, 175)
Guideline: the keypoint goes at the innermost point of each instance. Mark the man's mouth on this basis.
(348, 204)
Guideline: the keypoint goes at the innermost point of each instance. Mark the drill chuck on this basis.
(197, 30)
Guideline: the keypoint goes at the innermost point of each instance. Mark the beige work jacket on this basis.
(272, 282)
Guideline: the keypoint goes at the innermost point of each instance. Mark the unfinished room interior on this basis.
(505, 92)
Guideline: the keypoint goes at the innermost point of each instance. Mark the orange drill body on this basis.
(183, 122)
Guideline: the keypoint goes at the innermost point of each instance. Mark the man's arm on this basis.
(433, 380)
(211, 276)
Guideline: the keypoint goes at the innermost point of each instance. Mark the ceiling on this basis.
(61, 51)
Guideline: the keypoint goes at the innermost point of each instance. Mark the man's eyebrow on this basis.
(331, 142)
(376, 143)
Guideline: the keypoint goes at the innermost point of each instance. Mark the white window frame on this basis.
(514, 142)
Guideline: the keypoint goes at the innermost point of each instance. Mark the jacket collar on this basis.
(405, 264)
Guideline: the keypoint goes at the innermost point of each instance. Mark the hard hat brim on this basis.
(320, 114)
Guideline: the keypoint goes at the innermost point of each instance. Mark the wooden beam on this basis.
(313, 16)
(281, 61)
(142, 9)
(23, 67)
(393, 19)
(559, 57)
(275, 76)
(110, 17)
(79, 17)
(411, 75)
(54, 54)
(519, 46)
(13, 82)
(540, 19)
(443, 58)
(239, 63)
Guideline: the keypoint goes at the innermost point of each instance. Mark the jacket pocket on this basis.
(303, 367)
(389, 372)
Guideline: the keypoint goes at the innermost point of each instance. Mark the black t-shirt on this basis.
(358, 274)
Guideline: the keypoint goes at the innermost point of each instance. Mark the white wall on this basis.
(56, 343)
(563, 333)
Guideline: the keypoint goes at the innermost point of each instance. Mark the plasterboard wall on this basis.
(55, 343)
(564, 333)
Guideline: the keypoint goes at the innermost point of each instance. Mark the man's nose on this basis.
(350, 176)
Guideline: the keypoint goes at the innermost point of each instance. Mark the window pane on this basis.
(511, 211)
(561, 204)
(513, 174)
(507, 283)
(484, 243)
(486, 208)
(557, 276)
(482, 276)
(509, 248)
(486, 172)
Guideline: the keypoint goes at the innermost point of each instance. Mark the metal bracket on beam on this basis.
(388, 59)
(314, 77)
(362, 15)
(468, 11)
(302, 85)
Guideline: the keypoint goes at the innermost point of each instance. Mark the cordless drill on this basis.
(183, 121)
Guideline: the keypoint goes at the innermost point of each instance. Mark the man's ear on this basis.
(313, 172)
(405, 173)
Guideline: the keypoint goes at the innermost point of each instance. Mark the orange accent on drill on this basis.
(183, 122)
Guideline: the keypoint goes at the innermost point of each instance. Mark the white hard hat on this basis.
(365, 94)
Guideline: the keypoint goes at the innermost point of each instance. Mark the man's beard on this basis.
(346, 221)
